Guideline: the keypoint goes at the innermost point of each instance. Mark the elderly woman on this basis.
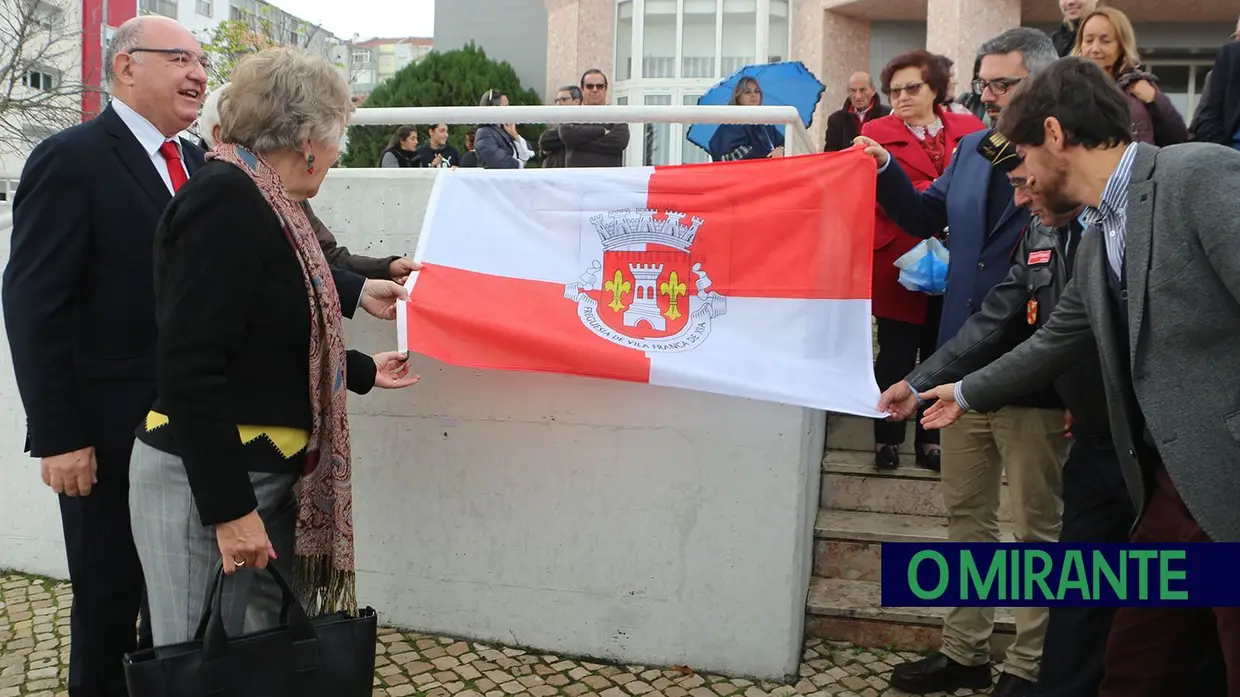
(393, 267)
(1107, 38)
(921, 134)
(245, 455)
(742, 141)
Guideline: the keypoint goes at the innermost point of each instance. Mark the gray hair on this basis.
(210, 116)
(280, 98)
(1036, 49)
(127, 37)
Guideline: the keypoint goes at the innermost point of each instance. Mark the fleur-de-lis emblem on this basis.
(673, 289)
(617, 287)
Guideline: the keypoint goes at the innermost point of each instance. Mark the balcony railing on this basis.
(797, 140)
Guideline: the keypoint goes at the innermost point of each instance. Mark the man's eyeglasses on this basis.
(912, 89)
(997, 87)
(564, 100)
(180, 56)
(594, 86)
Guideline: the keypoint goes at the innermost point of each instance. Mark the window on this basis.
(659, 39)
(777, 49)
(624, 40)
(203, 7)
(658, 136)
(740, 34)
(697, 43)
(39, 80)
(167, 8)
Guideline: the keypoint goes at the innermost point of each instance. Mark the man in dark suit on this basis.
(1218, 115)
(79, 309)
(862, 107)
(1157, 291)
(1025, 438)
(80, 315)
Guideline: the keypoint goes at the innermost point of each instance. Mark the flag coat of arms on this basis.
(749, 279)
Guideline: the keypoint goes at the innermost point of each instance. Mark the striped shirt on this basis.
(1111, 213)
(1111, 216)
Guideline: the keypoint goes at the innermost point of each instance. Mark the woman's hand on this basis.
(511, 129)
(777, 152)
(243, 542)
(1143, 90)
(392, 370)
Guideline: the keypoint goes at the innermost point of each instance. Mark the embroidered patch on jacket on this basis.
(1042, 256)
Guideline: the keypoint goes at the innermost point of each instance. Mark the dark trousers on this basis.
(1096, 508)
(899, 344)
(1152, 651)
(107, 580)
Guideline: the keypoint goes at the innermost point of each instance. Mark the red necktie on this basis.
(172, 157)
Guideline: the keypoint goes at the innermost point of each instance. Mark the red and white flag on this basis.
(749, 279)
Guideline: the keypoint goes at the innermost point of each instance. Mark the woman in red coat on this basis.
(921, 136)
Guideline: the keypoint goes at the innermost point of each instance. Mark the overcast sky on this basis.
(369, 18)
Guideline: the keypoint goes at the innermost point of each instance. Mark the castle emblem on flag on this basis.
(639, 295)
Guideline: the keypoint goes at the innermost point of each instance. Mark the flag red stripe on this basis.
(799, 227)
(482, 321)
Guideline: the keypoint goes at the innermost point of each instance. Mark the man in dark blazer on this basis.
(861, 107)
(1218, 115)
(974, 201)
(1157, 291)
(79, 310)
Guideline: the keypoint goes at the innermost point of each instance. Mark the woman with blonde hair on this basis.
(1107, 38)
(245, 455)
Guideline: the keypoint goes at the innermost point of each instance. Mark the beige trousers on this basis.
(1030, 445)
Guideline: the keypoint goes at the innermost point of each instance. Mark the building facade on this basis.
(374, 61)
(671, 51)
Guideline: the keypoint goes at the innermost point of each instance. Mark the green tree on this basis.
(234, 39)
(451, 78)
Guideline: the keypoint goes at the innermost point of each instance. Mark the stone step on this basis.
(847, 543)
(846, 610)
(855, 433)
(850, 483)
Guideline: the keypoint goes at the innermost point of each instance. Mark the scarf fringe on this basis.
(324, 589)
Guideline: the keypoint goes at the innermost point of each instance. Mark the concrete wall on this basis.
(586, 517)
(508, 30)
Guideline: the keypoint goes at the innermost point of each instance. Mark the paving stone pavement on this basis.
(34, 658)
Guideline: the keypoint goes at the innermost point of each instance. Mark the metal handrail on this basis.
(797, 143)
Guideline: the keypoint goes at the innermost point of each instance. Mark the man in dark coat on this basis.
(550, 145)
(862, 106)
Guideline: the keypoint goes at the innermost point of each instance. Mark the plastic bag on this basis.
(924, 268)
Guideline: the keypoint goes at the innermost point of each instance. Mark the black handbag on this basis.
(329, 656)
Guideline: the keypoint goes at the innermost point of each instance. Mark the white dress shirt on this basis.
(150, 139)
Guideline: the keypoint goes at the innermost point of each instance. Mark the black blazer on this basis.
(78, 302)
(1218, 116)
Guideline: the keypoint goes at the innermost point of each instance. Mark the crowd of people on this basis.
(175, 317)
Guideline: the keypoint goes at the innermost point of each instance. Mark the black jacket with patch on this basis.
(1011, 313)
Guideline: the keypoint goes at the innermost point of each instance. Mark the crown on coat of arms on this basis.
(625, 227)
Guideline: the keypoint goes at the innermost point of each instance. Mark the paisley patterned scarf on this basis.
(324, 534)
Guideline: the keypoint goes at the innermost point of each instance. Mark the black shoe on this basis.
(938, 673)
(887, 457)
(930, 459)
(1012, 686)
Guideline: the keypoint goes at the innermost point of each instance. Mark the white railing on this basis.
(796, 141)
(6, 221)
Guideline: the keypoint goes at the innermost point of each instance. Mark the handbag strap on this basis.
(214, 636)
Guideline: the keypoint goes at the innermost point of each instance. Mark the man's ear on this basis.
(122, 68)
(1055, 136)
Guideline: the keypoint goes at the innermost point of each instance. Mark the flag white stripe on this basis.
(814, 353)
(537, 228)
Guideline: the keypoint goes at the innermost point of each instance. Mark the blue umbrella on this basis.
(788, 83)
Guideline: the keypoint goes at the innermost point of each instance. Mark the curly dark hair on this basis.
(933, 71)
